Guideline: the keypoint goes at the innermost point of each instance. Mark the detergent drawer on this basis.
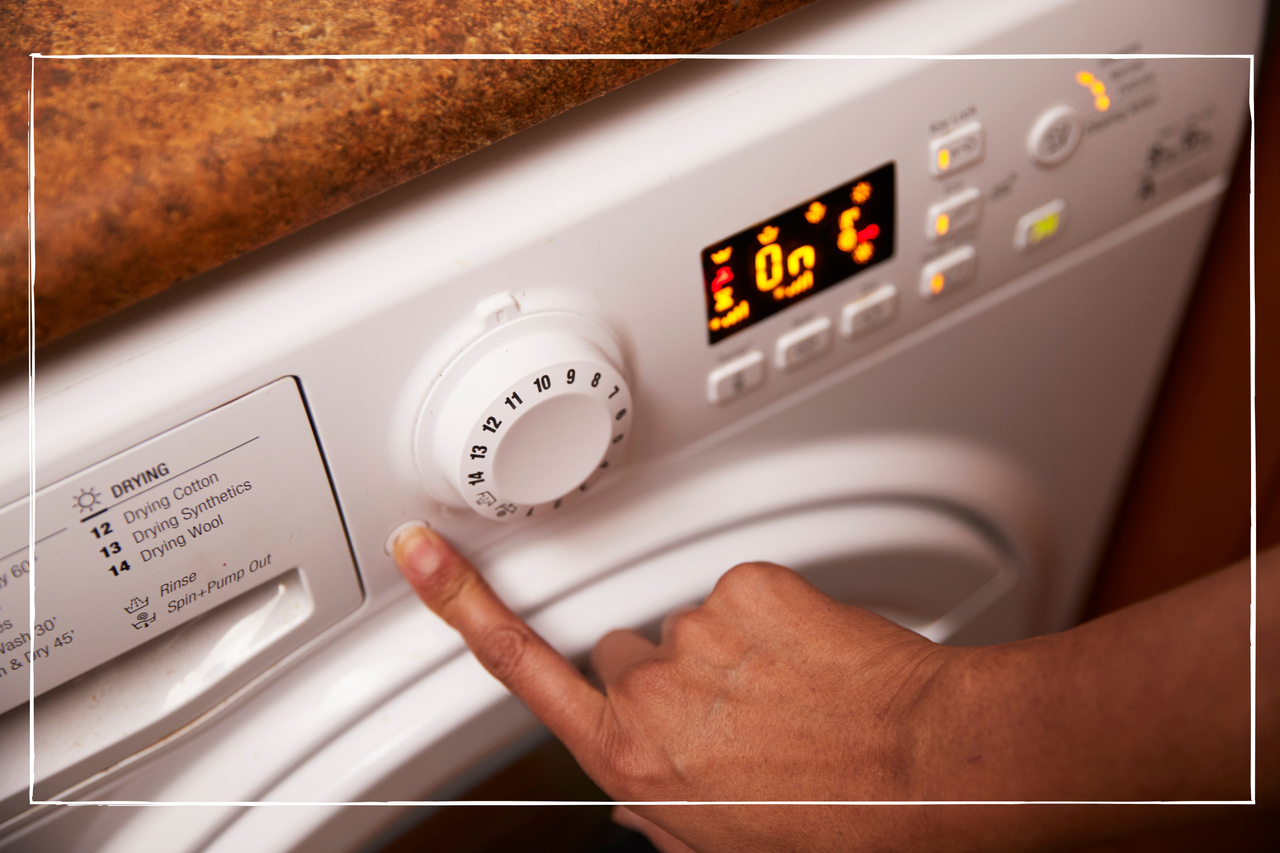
(164, 578)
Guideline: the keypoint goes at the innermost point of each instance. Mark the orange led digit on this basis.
(817, 244)
(800, 258)
(769, 266)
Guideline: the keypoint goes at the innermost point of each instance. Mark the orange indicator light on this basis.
(767, 235)
(724, 299)
(861, 192)
(816, 211)
(1096, 88)
(739, 313)
(721, 256)
(944, 159)
(936, 283)
(942, 224)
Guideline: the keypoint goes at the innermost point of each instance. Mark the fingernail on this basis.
(417, 550)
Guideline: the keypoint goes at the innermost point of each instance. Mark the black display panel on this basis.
(818, 243)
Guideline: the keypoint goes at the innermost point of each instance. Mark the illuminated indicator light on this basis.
(816, 211)
(944, 159)
(724, 299)
(1044, 228)
(767, 236)
(848, 237)
(769, 267)
(721, 256)
(740, 312)
(795, 288)
(1096, 88)
(724, 275)
(936, 283)
(861, 192)
(863, 252)
(802, 257)
(871, 232)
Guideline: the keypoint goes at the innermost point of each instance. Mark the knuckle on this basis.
(503, 651)
(617, 635)
(641, 681)
(633, 771)
(690, 628)
(752, 580)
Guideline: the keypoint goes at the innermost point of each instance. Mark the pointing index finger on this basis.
(507, 647)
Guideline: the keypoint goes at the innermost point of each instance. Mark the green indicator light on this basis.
(1044, 228)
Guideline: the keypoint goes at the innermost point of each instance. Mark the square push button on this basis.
(735, 378)
(954, 213)
(869, 312)
(954, 269)
(803, 344)
(1040, 225)
(959, 149)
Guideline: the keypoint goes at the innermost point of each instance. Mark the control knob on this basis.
(526, 418)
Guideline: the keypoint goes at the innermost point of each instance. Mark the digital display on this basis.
(818, 243)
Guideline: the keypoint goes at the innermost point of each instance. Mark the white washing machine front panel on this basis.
(961, 280)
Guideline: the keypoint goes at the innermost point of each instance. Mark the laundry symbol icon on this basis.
(144, 620)
(137, 604)
(87, 499)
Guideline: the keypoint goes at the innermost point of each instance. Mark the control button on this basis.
(1040, 225)
(803, 344)
(735, 378)
(869, 312)
(1055, 135)
(954, 213)
(948, 272)
(957, 150)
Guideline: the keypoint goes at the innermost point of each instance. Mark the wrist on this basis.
(928, 735)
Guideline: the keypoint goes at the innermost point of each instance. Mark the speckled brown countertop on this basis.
(149, 170)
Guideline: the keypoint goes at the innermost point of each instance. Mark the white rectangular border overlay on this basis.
(1253, 484)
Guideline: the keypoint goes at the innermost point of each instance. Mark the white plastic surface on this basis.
(869, 312)
(236, 555)
(170, 529)
(525, 417)
(1055, 135)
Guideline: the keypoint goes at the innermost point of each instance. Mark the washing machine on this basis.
(895, 322)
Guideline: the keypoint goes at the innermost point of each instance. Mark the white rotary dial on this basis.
(524, 421)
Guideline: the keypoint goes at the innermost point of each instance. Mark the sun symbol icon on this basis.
(86, 500)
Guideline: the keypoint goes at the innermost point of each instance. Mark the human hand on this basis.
(769, 690)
